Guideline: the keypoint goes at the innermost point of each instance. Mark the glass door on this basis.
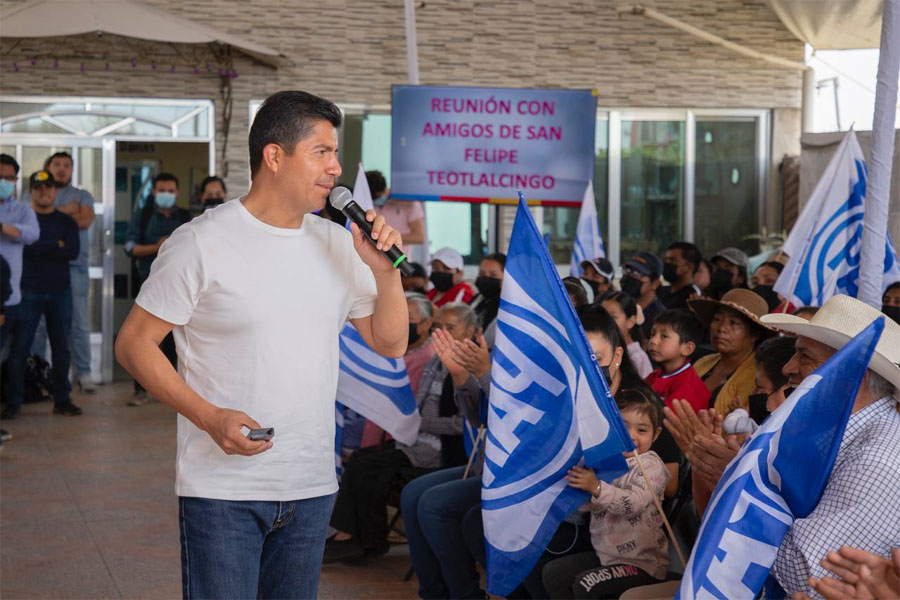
(93, 164)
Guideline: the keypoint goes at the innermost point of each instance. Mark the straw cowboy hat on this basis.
(749, 304)
(837, 322)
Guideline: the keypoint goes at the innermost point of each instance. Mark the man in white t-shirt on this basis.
(255, 293)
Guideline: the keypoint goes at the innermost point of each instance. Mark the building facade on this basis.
(689, 134)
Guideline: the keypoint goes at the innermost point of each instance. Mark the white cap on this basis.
(450, 257)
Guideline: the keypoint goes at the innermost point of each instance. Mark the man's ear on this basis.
(687, 348)
(273, 156)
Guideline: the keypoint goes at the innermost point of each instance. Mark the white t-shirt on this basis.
(257, 311)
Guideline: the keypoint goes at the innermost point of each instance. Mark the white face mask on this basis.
(165, 200)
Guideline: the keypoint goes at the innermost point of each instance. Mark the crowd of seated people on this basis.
(697, 354)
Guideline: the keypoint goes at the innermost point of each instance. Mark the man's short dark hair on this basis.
(497, 257)
(6, 159)
(683, 323)
(772, 264)
(165, 177)
(57, 155)
(208, 181)
(285, 118)
(689, 252)
(377, 183)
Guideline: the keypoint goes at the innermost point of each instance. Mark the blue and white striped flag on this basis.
(588, 243)
(550, 408)
(825, 244)
(376, 387)
(774, 479)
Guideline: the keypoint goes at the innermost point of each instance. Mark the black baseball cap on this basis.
(645, 263)
(41, 178)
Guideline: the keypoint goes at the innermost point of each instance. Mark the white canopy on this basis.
(832, 24)
(128, 18)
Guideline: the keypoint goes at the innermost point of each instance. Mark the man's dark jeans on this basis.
(232, 549)
(22, 321)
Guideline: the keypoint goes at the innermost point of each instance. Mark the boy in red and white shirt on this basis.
(673, 339)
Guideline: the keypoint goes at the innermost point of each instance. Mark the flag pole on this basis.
(660, 509)
(478, 438)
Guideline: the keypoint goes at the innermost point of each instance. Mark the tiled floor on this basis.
(87, 509)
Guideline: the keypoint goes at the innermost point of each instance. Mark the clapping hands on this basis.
(861, 576)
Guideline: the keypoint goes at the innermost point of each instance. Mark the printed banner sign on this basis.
(485, 144)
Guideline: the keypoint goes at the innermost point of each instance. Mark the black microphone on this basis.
(342, 199)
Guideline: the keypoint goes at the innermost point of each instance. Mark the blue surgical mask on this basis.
(380, 201)
(7, 188)
(165, 200)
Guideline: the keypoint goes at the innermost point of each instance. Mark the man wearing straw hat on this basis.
(860, 505)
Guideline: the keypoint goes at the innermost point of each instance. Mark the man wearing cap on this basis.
(45, 293)
(729, 271)
(859, 506)
(599, 274)
(680, 264)
(640, 280)
(78, 204)
(447, 277)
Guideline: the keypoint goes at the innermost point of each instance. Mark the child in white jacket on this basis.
(630, 547)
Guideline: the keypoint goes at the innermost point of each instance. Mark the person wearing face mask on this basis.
(150, 227)
(447, 277)
(487, 302)
(212, 192)
(45, 293)
(599, 274)
(680, 264)
(763, 280)
(419, 351)
(772, 385)
(890, 302)
(729, 272)
(18, 228)
(641, 280)
(573, 536)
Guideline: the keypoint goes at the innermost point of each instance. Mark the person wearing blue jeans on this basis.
(254, 294)
(78, 204)
(252, 549)
(433, 506)
(45, 293)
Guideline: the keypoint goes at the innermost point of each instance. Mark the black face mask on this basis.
(595, 285)
(892, 312)
(420, 290)
(670, 272)
(211, 202)
(413, 333)
(489, 287)
(632, 286)
(606, 374)
(758, 411)
(442, 281)
(721, 280)
(768, 294)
